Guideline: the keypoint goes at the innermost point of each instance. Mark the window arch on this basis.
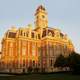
(51, 62)
(32, 35)
(26, 34)
(21, 32)
(33, 63)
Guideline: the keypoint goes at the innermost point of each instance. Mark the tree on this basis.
(29, 69)
(60, 61)
(36, 69)
(73, 62)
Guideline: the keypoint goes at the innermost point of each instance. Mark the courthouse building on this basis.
(36, 47)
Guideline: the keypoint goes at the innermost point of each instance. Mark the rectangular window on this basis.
(38, 36)
(32, 35)
(26, 34)
(21, 32)
(51, 62)
(33, 63)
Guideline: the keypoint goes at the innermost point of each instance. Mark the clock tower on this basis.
(41, 17)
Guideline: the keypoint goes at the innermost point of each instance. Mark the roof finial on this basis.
(41, 7)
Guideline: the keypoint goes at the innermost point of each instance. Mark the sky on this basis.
(62, 14)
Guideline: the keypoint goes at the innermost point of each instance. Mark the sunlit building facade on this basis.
(36, 47)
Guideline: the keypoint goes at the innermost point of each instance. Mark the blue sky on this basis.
(64, 14)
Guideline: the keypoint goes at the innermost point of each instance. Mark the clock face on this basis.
(43, 16)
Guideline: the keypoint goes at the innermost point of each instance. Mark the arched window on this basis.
(33, 63)
(32, 35)
(38, 36)
(61, 35)
(51, 62)
(24, 33)
(21, 32)
(44, 33)
(23, 63)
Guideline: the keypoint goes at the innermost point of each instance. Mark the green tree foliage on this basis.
(60, 61)
(30, 69)
(72, 61)
(36, 69)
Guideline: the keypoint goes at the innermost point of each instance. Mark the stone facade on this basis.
(37, 48)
